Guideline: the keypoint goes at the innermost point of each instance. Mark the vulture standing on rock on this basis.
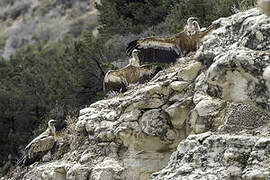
(118, 80)
(39, 146)
(196, 32)
(167, 50)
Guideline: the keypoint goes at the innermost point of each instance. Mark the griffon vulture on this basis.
(118, 80)
(39, 146)
(195, 32)
(167, 50)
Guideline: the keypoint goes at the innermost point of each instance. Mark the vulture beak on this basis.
(53, 121)
(136, 51)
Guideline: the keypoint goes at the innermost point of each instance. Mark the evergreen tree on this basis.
(132, 16)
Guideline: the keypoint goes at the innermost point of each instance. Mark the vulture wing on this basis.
(154, 49)
(37, 148)
(44, 134)
(118, 80)
(43, 144)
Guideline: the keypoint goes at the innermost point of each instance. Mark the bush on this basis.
(48, 81)
(123, 17)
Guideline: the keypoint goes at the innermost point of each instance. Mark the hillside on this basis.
(33, 21)
(205, 117)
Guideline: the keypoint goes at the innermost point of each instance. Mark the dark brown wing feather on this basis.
(150, 55)
(155, 49)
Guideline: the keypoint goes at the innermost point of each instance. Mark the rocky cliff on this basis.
(205, 117)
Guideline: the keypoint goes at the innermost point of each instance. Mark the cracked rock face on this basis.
(215, 104)
(211, 156)
(233, 99)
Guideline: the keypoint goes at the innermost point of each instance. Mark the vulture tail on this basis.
(131, 46)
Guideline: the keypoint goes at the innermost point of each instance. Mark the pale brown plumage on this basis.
(167, 50)
(40, 145)
(264, 6)
(118, 80)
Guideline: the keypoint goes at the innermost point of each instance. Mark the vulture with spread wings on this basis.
(167, 50)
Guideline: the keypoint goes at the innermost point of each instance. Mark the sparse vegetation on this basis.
(54, 79)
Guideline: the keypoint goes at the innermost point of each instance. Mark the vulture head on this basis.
(51, 126)
(196, 26)
(189, 28)
(135, 58)
(51, 123)
(190, 21)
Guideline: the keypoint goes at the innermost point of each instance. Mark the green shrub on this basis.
(123, 17)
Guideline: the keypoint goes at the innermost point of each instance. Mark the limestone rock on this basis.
(241, 117)
(109, 169)
(210, 156)
(231, 99)
(190, 72)
(203, 112)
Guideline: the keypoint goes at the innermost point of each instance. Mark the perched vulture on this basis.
(118, 80)
(189, 28)
(39, 146)
(167, 50)
(265, 6)
(134, 61)
(196, 30)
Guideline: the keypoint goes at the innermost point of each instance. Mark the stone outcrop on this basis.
(232, 99)
(206, 117)
(222, 156)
